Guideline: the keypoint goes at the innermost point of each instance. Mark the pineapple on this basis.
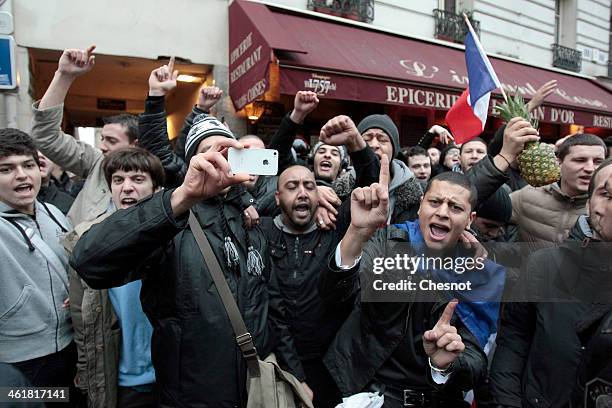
(537, 162)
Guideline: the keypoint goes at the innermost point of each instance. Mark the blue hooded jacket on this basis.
(478, 308)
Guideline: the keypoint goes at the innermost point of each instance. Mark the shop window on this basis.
(358, 10)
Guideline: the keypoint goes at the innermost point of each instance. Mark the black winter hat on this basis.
(498, 207)
(203, 126)
(385, 123)
(445, 151)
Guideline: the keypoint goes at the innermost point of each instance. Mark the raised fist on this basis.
(304, 103)
(341, 130)
(75, 62)
(209, 96)
(163, 79)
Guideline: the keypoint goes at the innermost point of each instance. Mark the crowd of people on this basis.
(104, 289)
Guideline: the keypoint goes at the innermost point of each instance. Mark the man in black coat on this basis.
(413, 350)
(538, 350)
(299, 253)
(196, 358)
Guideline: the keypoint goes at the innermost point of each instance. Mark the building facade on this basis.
(539, 39)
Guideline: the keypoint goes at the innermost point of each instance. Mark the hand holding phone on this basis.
(261, 162)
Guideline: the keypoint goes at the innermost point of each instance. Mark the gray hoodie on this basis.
(33, 283)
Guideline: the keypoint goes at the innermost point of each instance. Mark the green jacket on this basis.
(96, 333)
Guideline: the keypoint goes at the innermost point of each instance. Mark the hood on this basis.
(400, 174)
(581, 230)
(587, 264)
(555, 190)
(6, 211)
(278, 223)
(13, 216)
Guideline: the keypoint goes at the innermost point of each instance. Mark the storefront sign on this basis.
(602, 121)
(385, 92)
(320, 84)
(8, 79)
(248, 59)
(418, 69)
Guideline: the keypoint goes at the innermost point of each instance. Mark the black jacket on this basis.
(373, 331)
(595, 333)
(53, 195)
(194, 351)
(153, 136)
(263, 196)
(181, 139)
(298, 261)
(282, 140)
(538, 350)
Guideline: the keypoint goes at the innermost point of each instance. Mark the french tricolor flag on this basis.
(468, 115)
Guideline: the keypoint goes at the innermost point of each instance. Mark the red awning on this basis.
(342, 61)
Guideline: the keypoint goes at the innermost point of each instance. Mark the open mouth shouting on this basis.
(302, 209)
(24, 189)
(438, 232)
(325, 165)
(128, 202)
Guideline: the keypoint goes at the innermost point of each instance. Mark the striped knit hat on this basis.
(203, 126)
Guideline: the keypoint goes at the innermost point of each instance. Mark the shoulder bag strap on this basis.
(243, 337)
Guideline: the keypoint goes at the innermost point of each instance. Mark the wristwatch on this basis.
(443, 372)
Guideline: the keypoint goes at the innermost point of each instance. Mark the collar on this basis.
(278, 222)
(555, 190)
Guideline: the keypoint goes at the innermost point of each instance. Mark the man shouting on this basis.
(415, 349)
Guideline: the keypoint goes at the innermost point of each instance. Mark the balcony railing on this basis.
(567, 58)
(358, 10)
(452, 27)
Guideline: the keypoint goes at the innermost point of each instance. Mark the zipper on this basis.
(296, 245)
(54, 304)
(54, 309)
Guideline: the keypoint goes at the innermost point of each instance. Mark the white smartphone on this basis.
(261, 162)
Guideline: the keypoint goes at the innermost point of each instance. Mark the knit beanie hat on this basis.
(385, 123)
(498, 207)
(203, 126)
(445, 151)
(342, 149)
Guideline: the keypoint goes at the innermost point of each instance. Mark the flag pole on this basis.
(467, 21)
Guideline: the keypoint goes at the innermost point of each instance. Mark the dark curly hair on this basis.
(14, 142)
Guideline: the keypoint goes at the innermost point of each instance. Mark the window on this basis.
(558, 21)
(358, 10)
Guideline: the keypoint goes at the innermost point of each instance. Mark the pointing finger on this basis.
(383, 178)
(171, 64)
(447, 314)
